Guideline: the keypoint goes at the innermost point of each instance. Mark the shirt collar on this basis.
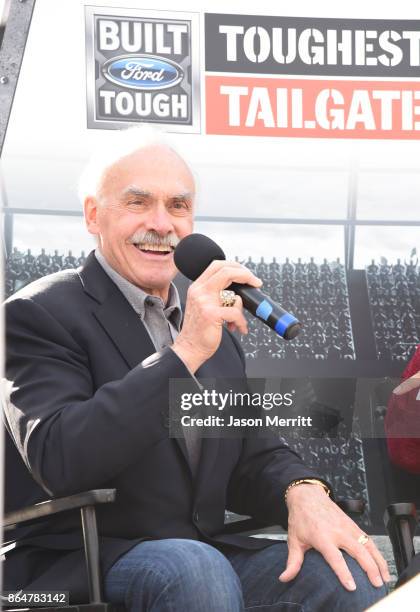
(138, 298)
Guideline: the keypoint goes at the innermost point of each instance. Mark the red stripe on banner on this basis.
(312, 108)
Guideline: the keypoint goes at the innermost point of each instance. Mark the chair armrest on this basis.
(249, 524)
(400, 522)
(61, 504)
(86, 502)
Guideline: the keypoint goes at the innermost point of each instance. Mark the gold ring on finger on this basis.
(227, 297)
(363, 539)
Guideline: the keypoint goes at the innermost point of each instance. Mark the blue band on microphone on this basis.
(264, 310)
(284, 322)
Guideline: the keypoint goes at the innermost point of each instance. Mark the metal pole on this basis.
(7, 218)
(13, 40)
(2, 447)
(91, 541)
(350, 227)
(11, 54)
(7, 234)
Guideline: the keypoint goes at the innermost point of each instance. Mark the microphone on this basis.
(195, 253)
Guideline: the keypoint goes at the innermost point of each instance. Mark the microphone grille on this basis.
(195, 253)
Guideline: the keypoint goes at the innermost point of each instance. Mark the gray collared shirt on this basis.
(162, 321)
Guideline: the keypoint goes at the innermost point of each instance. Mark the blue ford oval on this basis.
(147, 72)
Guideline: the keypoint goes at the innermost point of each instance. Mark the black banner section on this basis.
(269, 44)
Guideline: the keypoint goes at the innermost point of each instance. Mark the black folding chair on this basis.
(86, 503)
(400, 521)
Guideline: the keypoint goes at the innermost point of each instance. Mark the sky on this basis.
(3, 5)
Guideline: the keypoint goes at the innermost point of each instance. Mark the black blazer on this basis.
(85, 410)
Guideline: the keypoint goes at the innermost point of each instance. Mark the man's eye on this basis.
(179, 205)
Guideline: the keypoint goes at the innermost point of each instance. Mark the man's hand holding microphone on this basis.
(205, 315)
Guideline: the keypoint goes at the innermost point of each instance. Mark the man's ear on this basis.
(90, 207)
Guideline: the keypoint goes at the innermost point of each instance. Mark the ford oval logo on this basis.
(143, 72)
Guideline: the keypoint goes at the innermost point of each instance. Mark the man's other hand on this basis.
(315, 521)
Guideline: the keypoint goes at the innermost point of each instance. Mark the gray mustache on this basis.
(152, 238)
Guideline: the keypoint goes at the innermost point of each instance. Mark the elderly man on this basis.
(90, 355)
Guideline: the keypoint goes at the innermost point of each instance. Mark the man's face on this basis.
(143, 208)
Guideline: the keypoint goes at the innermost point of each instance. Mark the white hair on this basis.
(121, 143)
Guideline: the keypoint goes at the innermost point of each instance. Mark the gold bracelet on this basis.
(294, 483)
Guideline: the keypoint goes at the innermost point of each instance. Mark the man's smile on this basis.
(154, 252)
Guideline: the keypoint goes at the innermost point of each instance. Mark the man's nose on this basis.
(159, 220)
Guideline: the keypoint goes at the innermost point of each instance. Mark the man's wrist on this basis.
(306, 481)
(188, 356)
(192, 374)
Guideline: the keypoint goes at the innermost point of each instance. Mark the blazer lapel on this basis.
(119, 320)
(115, 315)
(125, 329)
